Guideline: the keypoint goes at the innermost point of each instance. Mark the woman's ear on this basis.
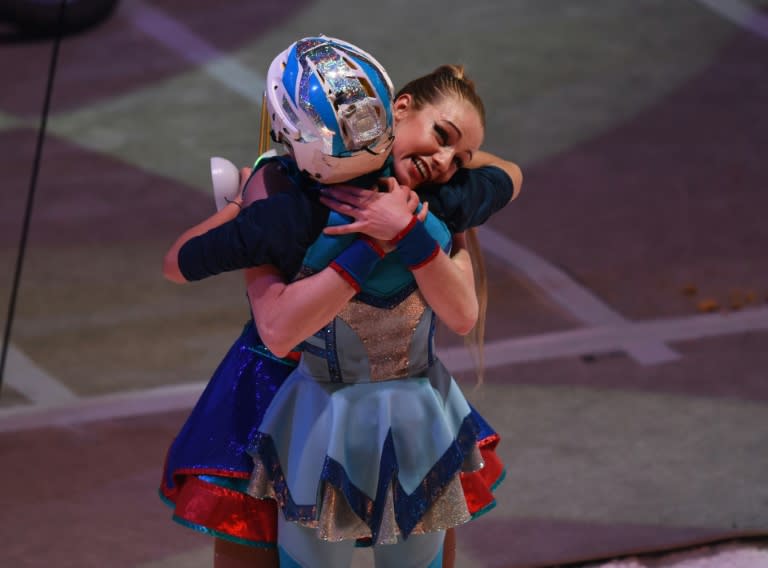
(402, 105)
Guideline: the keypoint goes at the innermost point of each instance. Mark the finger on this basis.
(396, 187)
(413, 201)
(343, 229)
(423, 213)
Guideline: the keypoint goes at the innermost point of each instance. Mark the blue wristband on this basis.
(357, 261)
(415, 245)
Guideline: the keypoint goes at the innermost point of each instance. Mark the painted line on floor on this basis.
(595, 340)
(607, 338)
(32, 382)
(105, 407)
(571, 296)
(184, 42)
(740, 13)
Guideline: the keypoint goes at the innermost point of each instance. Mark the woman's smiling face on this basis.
(432, 142)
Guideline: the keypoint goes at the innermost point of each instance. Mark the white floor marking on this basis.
(607, 338)
(569, 295)
(185, 43)
(599, 339)
(741, 14)
(105, 407)
(32, 382)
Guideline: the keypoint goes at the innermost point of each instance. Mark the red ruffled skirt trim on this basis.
(236, 516)
(479, 485)
(223, 512)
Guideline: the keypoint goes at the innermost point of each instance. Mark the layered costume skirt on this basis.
(370, 438)
(207, 468)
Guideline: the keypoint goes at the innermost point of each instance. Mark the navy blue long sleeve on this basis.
(470, 197)
(278, 230)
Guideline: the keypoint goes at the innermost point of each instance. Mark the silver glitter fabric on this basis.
(450, 510)
(388, 335)
(338, 522)
(343, 89)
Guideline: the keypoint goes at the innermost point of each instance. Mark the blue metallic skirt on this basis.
(207, 466)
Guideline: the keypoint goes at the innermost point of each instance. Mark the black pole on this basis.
(31, 192)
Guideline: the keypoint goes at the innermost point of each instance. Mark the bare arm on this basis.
(446, 283)
(481, 158)
(450, 284)
(286, 314)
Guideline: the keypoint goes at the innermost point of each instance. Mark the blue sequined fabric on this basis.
(215, 436)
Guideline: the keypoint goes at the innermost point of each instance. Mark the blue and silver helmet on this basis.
(330, 104)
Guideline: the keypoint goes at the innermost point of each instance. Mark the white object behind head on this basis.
(226, 181)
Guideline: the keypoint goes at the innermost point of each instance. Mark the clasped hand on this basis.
(379, 214)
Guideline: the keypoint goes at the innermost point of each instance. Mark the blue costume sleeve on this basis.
(470, 197)
(277, 231)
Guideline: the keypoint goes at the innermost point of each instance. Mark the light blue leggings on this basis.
(300, 548)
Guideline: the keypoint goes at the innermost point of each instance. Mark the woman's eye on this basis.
(442, 134)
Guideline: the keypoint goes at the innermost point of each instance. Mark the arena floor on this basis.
(627, 341)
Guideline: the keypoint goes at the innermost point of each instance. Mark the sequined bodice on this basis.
(385, 332)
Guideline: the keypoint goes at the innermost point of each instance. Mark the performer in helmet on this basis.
(359, 116)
